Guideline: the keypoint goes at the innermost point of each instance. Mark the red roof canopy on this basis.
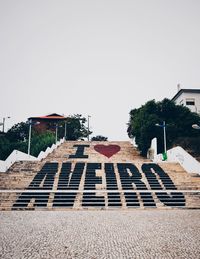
(53, 116)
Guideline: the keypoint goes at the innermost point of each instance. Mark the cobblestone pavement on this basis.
(100, 234)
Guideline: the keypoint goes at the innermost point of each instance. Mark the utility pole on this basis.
(165, 145)
(56, 132)
(163, 125)
(65, 130)
(3, 124)
(89, 127)
(29, 137)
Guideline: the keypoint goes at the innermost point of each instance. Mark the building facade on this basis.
(47, 122)
(189, 98)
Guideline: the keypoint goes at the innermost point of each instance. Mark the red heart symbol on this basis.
(107, 151)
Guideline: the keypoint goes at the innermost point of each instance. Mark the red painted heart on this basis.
(107, 151)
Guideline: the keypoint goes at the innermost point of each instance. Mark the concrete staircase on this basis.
(97, 175)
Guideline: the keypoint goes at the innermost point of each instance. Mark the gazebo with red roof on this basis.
(47, 122)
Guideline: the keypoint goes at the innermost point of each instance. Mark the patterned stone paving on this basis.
(100, 234)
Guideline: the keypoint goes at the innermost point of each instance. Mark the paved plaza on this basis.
(100, 234)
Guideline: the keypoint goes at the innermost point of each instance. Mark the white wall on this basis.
(14, 157)
(176, 155)
(185, 96)
(189, 163)
(20, 156)
(179, 155)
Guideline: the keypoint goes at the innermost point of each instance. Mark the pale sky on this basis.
(101, 58)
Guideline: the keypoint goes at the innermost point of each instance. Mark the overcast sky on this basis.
(101, 58)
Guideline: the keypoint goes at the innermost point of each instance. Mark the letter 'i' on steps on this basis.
(67, 199)
(153, 172)
(80, 151)
(90, 199)
(114, 199)
(129, 175)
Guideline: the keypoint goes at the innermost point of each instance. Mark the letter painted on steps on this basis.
(131, 179)
(114, 198)
(68, 180)
(79, 152)
(153, 177)
(43, 180)
(153, 173)
(91, 179)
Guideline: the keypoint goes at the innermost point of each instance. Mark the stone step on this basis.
(99, 181)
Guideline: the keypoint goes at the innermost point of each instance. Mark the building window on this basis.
(190, 102)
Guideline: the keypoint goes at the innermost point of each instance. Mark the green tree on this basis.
(75, 128)
(99, 138)
(17, 136)
(19, 132)
(178, 119)
(40, 142)
(4, 148)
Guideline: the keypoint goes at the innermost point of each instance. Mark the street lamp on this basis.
(56, 127)
(56, 132)
(65, 130)
(89, 127)
(3, 123)
(195, 126)
(29, 135)
(164, 134)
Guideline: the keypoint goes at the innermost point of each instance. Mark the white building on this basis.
(189, 98)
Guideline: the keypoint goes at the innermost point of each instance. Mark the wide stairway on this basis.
(97, 175)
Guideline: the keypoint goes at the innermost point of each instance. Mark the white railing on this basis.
(188, 162)
(177, 155)
(17, 155)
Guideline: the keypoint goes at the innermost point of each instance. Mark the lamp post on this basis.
(29, 135)
(56, 132)
(65, 130)
(56, 126)
(164, 135)
(3, 124)
(88, 127)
